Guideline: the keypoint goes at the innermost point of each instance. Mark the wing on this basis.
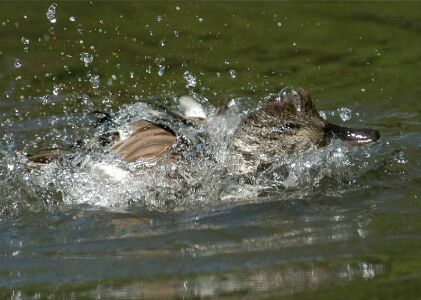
(148, 141)
(48, 155)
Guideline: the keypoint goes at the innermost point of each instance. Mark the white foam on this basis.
(109, 171)
(192, 109)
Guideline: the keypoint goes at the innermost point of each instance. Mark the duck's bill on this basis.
(356, 136)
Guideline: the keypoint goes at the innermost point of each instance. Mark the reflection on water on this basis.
(342, 219)
(287, 281)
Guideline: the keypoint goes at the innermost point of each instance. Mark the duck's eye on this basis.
(291, 126)
(287, 128)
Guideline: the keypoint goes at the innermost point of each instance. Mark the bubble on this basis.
(322, 114)
(72, 19)
(18, 63)
(95, 81)
(232, 73)
(279, 24)
(158, 18)
(51, 13)
(190, 78)
(86, 57)
(345, 114)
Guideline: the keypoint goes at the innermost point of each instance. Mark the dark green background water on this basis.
(361, 241)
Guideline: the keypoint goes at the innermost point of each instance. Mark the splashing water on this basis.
(99, 178)
(190, 79)
(95, 81)
(159, 61)
(51, 13)
(345, 114)
(86, 57)
(56, 90)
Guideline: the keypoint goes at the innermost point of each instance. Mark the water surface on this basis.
(348, 226)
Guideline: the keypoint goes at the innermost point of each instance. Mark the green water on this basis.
(359, 240)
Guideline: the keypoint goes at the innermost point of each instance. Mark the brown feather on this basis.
(149, 141)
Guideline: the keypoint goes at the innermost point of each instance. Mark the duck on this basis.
(285, 122)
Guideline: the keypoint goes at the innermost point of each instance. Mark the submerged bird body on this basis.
(286, 122)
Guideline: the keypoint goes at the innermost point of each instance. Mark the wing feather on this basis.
(148, 141)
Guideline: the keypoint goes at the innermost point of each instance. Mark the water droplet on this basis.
(56, 90)
(279, 24)
(17, 63)
(345, 114)
(232, 73)
(190, 78)
(9, 140)
(95, 81)
(72, 19)
(45, 99)
(25, 40)
(159, 61)
(158, 18)
(86, 57)
(162, 43)
(51, 13)
(177, 7)
(87, 101)
(131, 75)
(161, 70)
(322, 114)
(400, 157)
(176, 33)
(106, 101)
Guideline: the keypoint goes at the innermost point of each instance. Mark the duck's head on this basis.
(290, 120)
